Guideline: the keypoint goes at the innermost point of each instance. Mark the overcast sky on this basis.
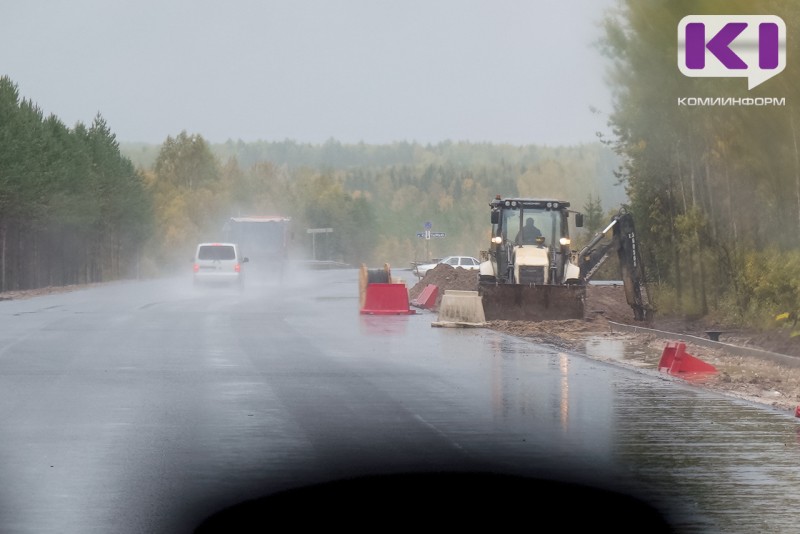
(501, 71)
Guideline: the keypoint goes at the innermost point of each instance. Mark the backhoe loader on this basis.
(531, 273)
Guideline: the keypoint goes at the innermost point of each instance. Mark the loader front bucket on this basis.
(510, 302)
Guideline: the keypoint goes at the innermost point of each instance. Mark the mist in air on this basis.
(355, 71)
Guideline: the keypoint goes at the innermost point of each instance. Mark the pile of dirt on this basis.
(607, 301)
(445, 277)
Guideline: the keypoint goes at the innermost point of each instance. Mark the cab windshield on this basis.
(516, 225)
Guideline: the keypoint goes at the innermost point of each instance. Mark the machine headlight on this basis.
(508, 203)
(564, 241)
(549, 204)
(497, 240)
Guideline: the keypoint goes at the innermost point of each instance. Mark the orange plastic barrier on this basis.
(386, 299)
(675, 360)
(426, 299)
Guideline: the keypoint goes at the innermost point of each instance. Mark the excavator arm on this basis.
(623, 243)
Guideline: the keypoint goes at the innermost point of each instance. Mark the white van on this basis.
(218, 263)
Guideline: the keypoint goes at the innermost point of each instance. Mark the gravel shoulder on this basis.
(760, 380)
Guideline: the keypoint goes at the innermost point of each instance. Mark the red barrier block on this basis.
(386, 299)
(426, 299)
(667, 356)
(675, 360)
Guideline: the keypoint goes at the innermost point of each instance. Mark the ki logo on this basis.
(725, 46)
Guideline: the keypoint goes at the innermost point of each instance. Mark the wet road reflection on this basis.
(719, 464)
(122, 404)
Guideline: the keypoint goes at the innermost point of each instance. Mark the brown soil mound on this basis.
(445, 277)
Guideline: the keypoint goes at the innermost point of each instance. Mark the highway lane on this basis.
(146, 406)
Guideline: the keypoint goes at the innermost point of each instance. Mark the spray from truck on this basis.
(264, 239)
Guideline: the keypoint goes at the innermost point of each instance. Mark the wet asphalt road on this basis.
(144, 407)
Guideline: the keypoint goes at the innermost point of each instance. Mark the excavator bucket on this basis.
(512, 302)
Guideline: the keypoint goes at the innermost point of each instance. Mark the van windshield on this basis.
(216, 252)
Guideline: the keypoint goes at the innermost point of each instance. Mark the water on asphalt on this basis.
(118, 402)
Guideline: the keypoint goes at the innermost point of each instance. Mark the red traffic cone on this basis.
(676, 361)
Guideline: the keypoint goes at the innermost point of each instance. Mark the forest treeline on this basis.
(714, 190)
(77, 207)
(73, 210)
(377, 207)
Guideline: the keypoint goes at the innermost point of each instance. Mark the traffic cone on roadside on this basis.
(676, 361)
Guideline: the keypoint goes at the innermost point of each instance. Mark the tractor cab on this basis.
(530, 242)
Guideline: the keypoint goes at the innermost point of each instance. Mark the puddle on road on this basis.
(622, 349)
(381, 325)
(627, 350)
(734, 463)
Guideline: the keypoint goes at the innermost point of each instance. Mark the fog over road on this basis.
(146, 406)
